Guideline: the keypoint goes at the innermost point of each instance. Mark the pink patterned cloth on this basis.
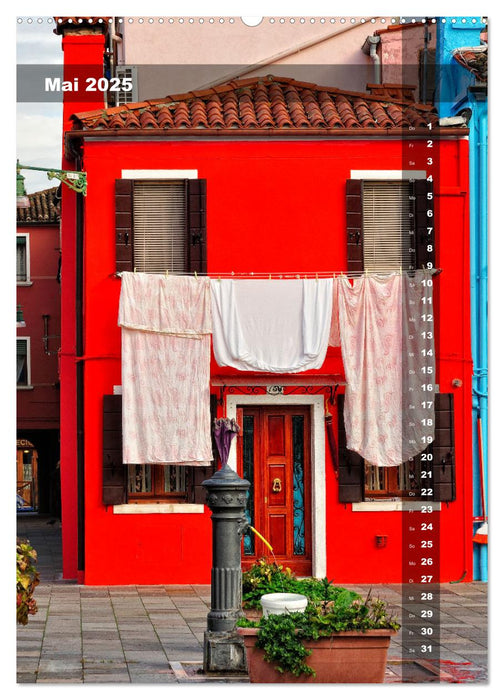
(387, 341)
(166, 326)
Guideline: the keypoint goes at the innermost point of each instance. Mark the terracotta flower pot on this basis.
(345, 657)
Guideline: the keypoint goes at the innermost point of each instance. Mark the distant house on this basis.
(462, 60)
(38, 251)
(250, 178)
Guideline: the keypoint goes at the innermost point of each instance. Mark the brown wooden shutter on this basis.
(350, 464)
(424, 223)
(196, 493)
(355, 248)
(443, 450)
(196, 225)
(114, 471)
(124, 225)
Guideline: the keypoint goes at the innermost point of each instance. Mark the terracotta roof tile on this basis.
(43, 208)
(272, 103)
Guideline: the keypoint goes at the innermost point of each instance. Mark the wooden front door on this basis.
(274, 455)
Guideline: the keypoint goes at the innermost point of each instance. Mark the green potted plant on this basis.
(339, 638)
(27, 578)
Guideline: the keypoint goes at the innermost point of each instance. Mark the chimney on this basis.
(83, 45)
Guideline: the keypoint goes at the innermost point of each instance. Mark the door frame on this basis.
(318, 486)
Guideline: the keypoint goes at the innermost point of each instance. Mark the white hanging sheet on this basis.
(387, 337)
(277, 326)
(166, 326)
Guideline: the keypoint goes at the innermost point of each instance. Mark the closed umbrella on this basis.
(225, 429)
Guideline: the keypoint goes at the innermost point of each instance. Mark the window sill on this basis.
(145, 508)
(26, 283)
(27, 387)
(380, 506)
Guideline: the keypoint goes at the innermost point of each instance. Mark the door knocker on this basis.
(277, 485)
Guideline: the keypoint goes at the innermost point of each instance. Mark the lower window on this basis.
(402, 481)
(158, 483)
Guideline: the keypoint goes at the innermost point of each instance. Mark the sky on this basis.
(38, 124)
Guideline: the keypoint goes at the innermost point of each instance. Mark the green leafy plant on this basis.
(281, 636)
(27, 579)
(267, 577)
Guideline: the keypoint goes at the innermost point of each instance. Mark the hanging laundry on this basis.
(166, 326)
(386, 337)
(278, 326)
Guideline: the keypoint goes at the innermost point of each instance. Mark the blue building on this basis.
(461, 65)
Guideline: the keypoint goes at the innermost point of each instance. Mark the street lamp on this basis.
(75, 180)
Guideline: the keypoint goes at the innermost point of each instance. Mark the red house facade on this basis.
(37, 344)
(265, 176)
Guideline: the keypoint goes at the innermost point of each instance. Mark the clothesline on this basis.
(292, 275)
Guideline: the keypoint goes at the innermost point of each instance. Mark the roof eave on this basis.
(300, 133)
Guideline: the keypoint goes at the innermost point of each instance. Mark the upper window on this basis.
(23, 377)
(22, 258)
(390, 225)
(386, 210)
(161, 225)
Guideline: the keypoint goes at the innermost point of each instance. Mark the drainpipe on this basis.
(479, 300)
(369, 48)
(482, 305)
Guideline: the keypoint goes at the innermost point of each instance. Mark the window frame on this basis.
(157, 494)
(27, 281)
(422, 211)
(439, 457)
(195, 216)
(28, 384)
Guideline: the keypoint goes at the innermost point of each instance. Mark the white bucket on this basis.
(280, 603)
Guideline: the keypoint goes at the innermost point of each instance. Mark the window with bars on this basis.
(160, 225)
(156, 482)
(429, 476)
(144, 483)
(22, 258)
(389, 482)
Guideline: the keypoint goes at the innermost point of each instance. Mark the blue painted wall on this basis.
(457, 90)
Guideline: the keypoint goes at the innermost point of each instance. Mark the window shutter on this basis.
(443, 450)
(196, 493)
(196, 225)
(355, 249)
(124, 225)
(387, 225)
(414, 214)
(350, 464)
(424, 223)
(114, 472)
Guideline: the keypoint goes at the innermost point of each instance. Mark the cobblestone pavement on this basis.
(154, 634)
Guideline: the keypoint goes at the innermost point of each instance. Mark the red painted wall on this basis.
(280, 207)
(83, 57)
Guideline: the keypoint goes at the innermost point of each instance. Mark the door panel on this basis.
(274, 455)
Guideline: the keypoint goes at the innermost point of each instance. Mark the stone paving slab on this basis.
(154, 634)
